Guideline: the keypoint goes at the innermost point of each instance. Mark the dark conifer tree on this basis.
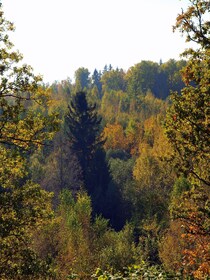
(96, 79)
(83, 130)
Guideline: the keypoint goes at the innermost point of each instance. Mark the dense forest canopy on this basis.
(107, 177)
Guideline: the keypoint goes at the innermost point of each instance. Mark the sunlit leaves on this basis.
(187, 128)
(192, 209)
(115, 137)
(188, 119)
(188, 122)
(24, 123)
(193, 23)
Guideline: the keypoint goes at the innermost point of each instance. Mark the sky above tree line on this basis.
(58, 37)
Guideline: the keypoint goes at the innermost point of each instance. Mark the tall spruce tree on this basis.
(83, 130)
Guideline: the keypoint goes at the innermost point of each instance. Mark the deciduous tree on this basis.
(82, 79)
(24, 206)
(187, 123)
(187, 128)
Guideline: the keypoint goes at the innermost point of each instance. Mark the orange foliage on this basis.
(197, 254)
(115, 137)
(193, 212)
(118, 138)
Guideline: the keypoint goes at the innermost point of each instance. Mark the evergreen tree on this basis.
(96, 80)
(83, 130)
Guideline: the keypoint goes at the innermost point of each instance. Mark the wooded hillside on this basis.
(107, 176)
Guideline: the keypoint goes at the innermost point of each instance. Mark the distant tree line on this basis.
(144, 76)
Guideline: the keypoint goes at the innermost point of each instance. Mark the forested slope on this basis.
(107, 176)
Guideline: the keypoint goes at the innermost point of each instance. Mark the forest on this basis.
(107, 176)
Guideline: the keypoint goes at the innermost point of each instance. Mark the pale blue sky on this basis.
(58, 37)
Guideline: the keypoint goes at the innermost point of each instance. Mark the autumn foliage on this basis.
(107, 177)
